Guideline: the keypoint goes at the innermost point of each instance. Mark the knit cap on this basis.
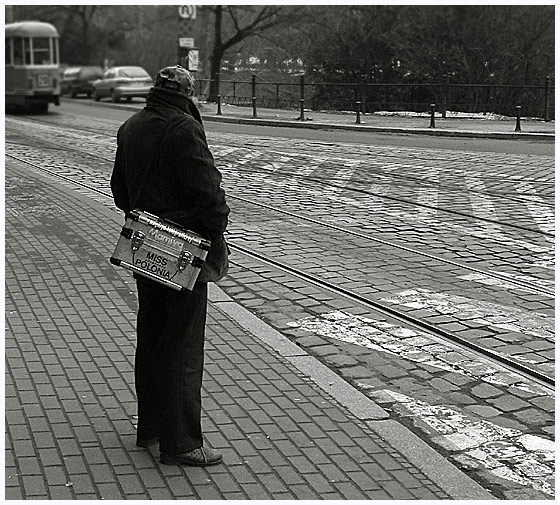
(178, 78)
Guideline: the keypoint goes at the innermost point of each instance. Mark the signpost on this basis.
(193, 60)
(187, 54)
(186, 42)
(187, 11)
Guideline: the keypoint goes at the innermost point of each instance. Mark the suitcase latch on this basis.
(137, 240)
(185, 258)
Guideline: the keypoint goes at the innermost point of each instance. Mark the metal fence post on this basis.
(518, 122)
(219, 113)
(432, 115)
(358, 108)
(445, 90)
(301, 98)
(546, 97)
(254, 94)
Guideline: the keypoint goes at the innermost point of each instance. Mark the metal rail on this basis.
(508, 362)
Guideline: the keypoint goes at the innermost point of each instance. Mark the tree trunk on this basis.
(215, 64)
(216, 59)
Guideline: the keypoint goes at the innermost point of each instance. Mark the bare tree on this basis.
(232, 24)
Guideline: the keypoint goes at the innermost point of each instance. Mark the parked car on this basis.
(79, 80)
(119, 82)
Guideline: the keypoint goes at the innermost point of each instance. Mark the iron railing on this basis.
(536, 101)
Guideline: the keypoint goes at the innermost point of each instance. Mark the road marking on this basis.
(250, 155)
(412, 345)
(478, 444)
(541, 213)
(338, 182)
(482, 206)
(428, 196)
(372, 205)
(220, 150)
(493, 281)
(489, 314)
(304, 171)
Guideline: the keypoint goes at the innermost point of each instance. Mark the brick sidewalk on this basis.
(70, 404)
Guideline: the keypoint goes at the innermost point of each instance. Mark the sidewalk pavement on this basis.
(454, 125)
(288, 427)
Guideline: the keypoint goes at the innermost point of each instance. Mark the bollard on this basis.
(301, 97)
(518, 122)
(219, 113)
(432, 115)
(546, 98)
(254, 94)
(358, 108)
(445, 95)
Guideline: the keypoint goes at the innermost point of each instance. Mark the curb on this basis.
(443, 473)
(548, 137)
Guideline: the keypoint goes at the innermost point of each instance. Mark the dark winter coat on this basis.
(163, 166)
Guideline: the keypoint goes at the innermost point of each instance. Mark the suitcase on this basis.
(160, 250)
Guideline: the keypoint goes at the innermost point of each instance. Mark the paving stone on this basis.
(508, 403)
(485, 391)
(443, 385)
(97, 435)
(461, 399)
(545, 403)
(483, 411)
(534, 417)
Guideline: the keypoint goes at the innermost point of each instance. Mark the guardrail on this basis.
(536, 101)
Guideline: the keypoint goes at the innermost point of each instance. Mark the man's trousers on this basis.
(169, 364)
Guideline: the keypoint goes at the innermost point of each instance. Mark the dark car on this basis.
(79, 80)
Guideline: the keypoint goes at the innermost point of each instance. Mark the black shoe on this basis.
(202, 456)
(146, 442)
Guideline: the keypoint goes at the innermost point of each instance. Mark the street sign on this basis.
(187, 11)
(193, 60)
(186, 42)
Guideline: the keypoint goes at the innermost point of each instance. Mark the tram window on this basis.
(8, 58)
(41, 51)
(18, 51)
(27, 50)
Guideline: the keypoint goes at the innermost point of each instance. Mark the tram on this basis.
(32, 78)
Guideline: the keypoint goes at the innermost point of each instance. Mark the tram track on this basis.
(327, 182)
(528, 286)
(506, 361)
(510, 363)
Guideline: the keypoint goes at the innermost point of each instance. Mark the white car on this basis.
(123, 82)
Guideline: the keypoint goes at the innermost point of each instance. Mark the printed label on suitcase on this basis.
(160, 250)
(153, 263)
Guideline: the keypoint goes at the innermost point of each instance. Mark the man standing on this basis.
(163, 166)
